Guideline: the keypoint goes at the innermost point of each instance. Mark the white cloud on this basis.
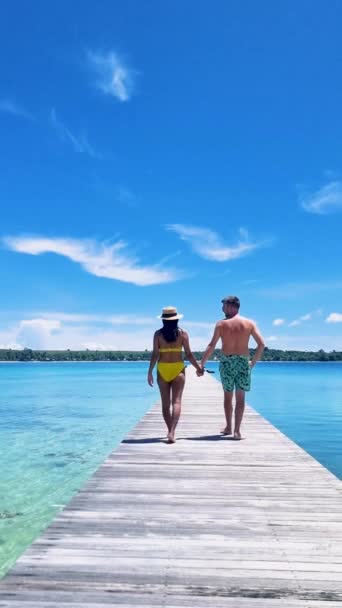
(208, 244)
(113, 77)
(278, 322)
(36, 333)
(12, 345)
(99, 259)
(325, 200)
(119, 319)
(13, 108)
(305, 317)
(71, 317)
(94, 346)
(54, 336)
(295, 290)
(334, 317)
(311, 342)
(294, 323)
(80, 144)
(44, 324)
(200, 324)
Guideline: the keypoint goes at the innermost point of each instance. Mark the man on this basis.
(235, 366)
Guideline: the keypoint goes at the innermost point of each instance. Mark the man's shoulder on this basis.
(246, 321)
(220, 322)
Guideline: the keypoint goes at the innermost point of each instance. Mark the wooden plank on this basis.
(207, 521)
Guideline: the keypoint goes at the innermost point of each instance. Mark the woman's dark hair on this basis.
(170, 331)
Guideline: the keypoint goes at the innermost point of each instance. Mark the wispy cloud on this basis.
(80, 144)
(307, 317)
(298, 289)
(112, 76)
(36, 332)
(334, 317)
(271, 339)
(70, 317)
(99, 259)
(55, 318)
(10, 107)
(277, 322)
(305, 342)
(61, 330)
(295, 323)
(208, 244)
(126, 197)
(119, 319)
(325, 200)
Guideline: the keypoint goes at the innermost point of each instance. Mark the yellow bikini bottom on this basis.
(170, 371)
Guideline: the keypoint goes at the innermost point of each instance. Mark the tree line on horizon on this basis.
(270, 354)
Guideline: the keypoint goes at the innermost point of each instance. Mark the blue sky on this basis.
(170, 153)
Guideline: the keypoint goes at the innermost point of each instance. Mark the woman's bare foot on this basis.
(226, 431)
(171, 438)
(237, 435)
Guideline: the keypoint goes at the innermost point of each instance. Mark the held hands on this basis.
(150, 378)
(200, 371)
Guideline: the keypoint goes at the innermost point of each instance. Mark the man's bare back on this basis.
(235, 334)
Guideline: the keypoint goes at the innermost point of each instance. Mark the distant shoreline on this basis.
(146, 361)
(270, 355)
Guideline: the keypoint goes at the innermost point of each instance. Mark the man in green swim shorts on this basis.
(235, 366)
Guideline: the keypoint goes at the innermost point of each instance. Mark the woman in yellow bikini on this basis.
(168, 344)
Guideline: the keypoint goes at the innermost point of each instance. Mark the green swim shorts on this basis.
(235, 372)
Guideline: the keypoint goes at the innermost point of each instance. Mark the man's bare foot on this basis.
(226, 431)
(237, 435)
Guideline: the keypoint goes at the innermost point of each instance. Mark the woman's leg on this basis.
(177, 387)
(165, 394)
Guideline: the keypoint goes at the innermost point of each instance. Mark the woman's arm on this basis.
(154, 358)
(188, 353)
(211, 346)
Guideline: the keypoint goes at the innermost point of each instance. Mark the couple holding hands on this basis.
(235, 366)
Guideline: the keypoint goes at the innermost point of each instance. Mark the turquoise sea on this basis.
(58, 421)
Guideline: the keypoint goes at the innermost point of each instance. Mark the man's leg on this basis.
(239, 410)
(227, 379)
(177, 387)
(228, 412)
(165, 394)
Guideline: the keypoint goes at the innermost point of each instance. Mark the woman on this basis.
(168, 343)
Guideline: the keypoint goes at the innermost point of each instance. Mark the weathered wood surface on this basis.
(207, 522)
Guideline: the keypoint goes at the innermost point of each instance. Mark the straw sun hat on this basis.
(169, 313)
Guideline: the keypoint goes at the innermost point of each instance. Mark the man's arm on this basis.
(154, 358)
(211, 346)
(260, 345)
(188, 353)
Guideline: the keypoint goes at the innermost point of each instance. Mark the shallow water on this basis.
(58, 422)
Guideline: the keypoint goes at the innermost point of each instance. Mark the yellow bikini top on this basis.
(177, 349)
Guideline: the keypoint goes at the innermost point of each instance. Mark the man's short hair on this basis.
(232, 300)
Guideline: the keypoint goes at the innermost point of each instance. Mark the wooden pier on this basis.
(207, 522)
